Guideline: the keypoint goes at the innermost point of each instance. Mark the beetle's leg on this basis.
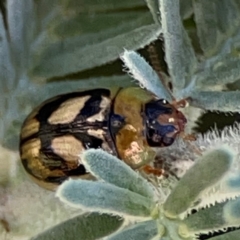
(188, 137)
(151, 170)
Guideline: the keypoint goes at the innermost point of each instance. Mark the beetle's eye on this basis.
(164, 101)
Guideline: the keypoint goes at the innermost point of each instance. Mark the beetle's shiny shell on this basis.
(55, 133)
(116, 120)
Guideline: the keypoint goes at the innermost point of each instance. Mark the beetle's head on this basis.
(163, 123)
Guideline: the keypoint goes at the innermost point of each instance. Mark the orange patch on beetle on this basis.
(132, 147)
(133, 152)
(151, 170)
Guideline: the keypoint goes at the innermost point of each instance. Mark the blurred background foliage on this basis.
(57, 46)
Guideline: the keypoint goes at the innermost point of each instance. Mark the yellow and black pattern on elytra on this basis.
(54, 135)
(124, 122)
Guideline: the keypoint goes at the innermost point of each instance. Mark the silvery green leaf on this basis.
(231, 212)
(230, 22)
(80, 31)
(142, 231)
(99, 5)
(204, 174)
(104, 198)
(20, 17)
(80, 57)
(65, 18)
(93, 30)
(224, 71)
(112, 170)
(45, 12)
(217, 217)
(140, 70)
(180, 54)
(238, 4)
(228, 236)
(221, 101)
(153, 6)
(7, 77)
(89, 226)
(186, 8)
(212, 27)
(96, 28)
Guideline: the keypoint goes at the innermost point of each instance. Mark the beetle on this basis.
(125, 122)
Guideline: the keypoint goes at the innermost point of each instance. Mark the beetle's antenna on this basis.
(183, 103)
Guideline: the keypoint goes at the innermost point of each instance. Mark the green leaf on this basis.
(140, 70)
(204, 174)
(217, 217)
(6, 69)
(88, 226)
(180, 54)
(89, 31)
(44, 13)
(81, 57)
(96, 28)
(228, 236)
(213, 29)
(186, 8)
(221, 101)
(100, 5)
(112, 170)
(104, 198)
(141, 231)
(223, 71)
(231, 212)
(21, 23)
(153, 6)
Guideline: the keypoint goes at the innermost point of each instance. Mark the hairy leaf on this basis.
(212, 27)
(113, 170)
(81, 57)
(180, 55)
(89, 226)
(141, 231)
(21, 22)
(216, 217)
(221, 101)
(203, 175)
(140, 70)
(104, 198)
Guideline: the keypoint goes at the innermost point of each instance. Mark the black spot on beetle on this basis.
(88, 141)
(25, 164)
(56, 180)
(48, 108)
(80, 170)
(91, 107)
